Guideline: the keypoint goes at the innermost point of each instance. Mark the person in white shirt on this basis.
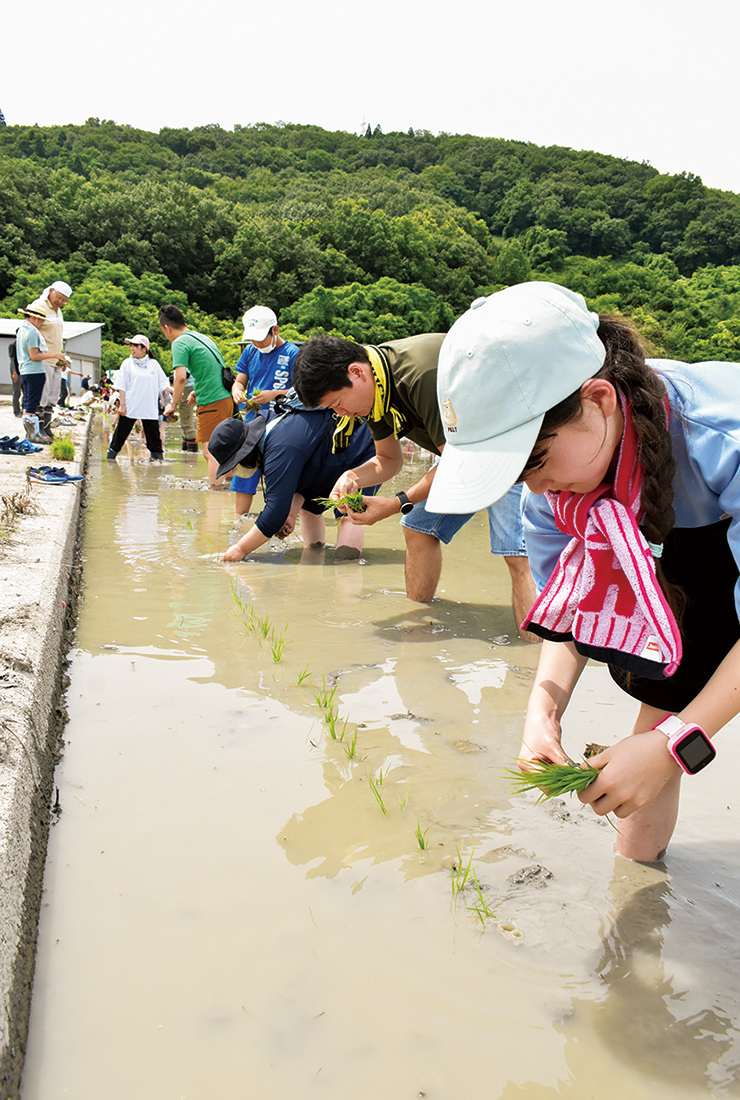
(52, 329)
(141, 382)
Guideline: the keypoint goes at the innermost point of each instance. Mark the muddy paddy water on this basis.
(228, 911)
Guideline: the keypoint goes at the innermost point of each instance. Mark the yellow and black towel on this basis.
(381, 405)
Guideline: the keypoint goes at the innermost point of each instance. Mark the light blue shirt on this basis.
(28, 336)
(705, 431)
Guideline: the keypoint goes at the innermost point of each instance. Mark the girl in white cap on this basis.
(632, 522)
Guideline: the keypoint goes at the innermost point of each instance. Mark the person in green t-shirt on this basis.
(194, 352)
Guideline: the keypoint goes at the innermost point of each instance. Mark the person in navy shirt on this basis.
(296, 461)
(263, 373)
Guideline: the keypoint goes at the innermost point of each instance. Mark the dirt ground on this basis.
(38, 540)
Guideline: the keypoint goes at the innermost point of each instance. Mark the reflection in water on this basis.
(229, 912)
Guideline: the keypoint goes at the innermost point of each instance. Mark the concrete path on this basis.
(38, 584)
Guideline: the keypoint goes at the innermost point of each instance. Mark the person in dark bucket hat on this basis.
(299, 468)
(234, 443)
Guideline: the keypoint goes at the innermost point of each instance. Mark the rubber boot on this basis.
(33, 435)
(44, 415)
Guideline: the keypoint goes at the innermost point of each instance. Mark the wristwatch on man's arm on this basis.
(406, 505)
(688, 744)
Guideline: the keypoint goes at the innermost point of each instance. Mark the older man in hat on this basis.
(263, 375)
(52, 330)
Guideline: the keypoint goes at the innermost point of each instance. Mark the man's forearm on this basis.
(178, 387)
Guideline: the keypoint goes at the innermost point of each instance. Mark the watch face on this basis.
(695, 751)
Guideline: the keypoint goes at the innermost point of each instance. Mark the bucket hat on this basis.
(257, 323)
(233, 440)
(508, 360)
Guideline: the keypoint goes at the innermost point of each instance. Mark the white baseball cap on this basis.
(502, 366)
(257, 323)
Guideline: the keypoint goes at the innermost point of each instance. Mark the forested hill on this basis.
(371, 236)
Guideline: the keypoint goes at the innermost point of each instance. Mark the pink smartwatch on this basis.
(688, 744)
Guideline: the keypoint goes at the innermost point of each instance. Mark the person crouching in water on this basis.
(632, 520)
(141, 383)
(294, 453)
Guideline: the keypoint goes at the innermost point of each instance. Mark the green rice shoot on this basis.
(553, 780)
(354, 501)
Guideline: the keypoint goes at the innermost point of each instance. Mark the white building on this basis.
(81, 343)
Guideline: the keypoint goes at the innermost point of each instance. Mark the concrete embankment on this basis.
(38, 586)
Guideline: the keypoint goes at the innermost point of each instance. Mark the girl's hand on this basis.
(633, 773)
(541, 741)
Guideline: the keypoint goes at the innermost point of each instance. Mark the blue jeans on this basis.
(504, 524)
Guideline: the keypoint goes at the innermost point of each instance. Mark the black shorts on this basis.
(699, 561)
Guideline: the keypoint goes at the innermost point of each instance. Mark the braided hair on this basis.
(645, 392)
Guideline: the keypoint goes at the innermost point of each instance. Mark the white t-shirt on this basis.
(142, 381)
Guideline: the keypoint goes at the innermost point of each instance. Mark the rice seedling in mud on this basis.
(553, 780)
(331, 717)
(354, 501)
(481, 908)
(460, 872)
(278, 643)
(350, 748)
(422, 838)
(374, 785)
(243, 609)
(305, 674)
(324, 698)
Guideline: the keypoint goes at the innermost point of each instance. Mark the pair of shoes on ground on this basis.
(52, 475)
(16, 446)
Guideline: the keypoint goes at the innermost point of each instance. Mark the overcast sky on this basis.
(652, 80)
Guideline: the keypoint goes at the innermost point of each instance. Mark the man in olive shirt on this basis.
(194, 352)
(393, 386)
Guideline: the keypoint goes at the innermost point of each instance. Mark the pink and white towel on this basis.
(604, 594)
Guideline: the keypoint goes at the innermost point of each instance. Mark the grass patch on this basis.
(63, 449)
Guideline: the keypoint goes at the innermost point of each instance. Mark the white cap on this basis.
(61, 288)
(502, 366)
(257, 323)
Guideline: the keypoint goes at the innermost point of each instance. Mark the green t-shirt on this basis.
(198, 354)
(413, 369)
